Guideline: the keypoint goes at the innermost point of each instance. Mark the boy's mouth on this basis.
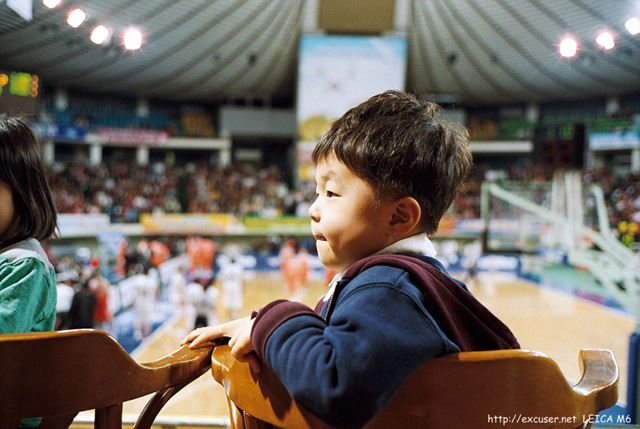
(319, 237)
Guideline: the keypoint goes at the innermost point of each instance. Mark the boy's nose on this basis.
(313, 212)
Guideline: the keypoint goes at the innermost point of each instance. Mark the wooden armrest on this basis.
(190, 361)
(599, 377)
(182, 367)
(62, 373)
(262, 395)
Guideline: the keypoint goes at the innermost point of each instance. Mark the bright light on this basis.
(100, 34)
(633, 26)
(76, 17)
(51, 3)
(568, 47)
(605, 39)
(132, 39)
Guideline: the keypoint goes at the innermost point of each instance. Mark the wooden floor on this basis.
(543, 319)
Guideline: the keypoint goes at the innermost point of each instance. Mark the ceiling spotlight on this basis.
(51, 3)
(568, 47)
(605, 40)
(633, 26)
(100, 34)
(132, 39)
(76, 17)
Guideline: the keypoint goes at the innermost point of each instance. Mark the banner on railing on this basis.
(209, 223)
(134, 136)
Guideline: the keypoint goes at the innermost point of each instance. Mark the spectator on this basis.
(202, 303)
(176, 290)
(65, 290)
(146, 290)
(231, 274)
(103, 316)
(288, 266)
(82, 308)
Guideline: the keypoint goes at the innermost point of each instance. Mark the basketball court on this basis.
(565, 290)
(543, 318)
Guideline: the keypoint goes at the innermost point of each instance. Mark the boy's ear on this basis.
(405, 216)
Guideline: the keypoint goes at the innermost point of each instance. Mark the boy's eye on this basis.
(330, 194)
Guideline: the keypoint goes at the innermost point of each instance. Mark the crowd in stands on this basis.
(237, 190)
(125, 190)
(622, 195)
(467, 205)
(623, 202)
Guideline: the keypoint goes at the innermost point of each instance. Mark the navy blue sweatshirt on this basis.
(388, 316)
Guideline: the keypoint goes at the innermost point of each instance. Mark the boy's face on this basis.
(344, 219)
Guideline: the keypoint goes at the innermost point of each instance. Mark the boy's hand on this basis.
(239, 334)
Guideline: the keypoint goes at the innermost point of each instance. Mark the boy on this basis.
(386, 172)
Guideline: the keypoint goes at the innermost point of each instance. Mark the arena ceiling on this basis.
(476, 52)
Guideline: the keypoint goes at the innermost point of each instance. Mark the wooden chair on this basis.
(488, 389)
(57, 374)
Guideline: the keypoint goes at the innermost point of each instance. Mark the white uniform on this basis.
(146, 288)
(231, 275)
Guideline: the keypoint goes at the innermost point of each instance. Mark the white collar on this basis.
(418, 244)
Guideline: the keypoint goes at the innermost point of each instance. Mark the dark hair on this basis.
(401, 147)
(22, 168)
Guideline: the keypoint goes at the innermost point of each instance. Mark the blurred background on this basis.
(178, 137)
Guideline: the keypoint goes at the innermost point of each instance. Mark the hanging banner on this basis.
(336, 73)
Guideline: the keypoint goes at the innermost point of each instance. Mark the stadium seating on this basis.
(55, 375)
(487, 389)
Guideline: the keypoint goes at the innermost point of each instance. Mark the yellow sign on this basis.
(210, 223)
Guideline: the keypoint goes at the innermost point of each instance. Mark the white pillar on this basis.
(635, 160)
(142, 155)
(224, 154)
(225, 157)
(95, 154)
(49, 152)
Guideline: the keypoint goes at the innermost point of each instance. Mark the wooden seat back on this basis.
(57, 374)
(488, 389)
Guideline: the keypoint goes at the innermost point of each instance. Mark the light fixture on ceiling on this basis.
(568, 47)
(605, 40)
(633, 26)
(100, 35)
(51, 3)
(76, 17)
(132, 39)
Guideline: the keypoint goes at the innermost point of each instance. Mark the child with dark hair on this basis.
(28, 292)
(27, 217)
(386, 172)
